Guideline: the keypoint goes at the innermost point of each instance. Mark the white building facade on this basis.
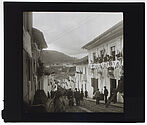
(105, 60)
(48, 84)
(82, 77)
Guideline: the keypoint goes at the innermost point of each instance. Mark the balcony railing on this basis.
(107, 58)
(116, 63)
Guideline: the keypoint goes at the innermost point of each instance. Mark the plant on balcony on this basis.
(97, 60)
(110, 58)
(100, 59)
(118, 55)
(91, 61)
(106, 58)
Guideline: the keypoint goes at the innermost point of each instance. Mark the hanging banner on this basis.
(117, 73)
(104, 72)
(113, 64)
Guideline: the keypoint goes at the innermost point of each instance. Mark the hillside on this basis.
(54, 57)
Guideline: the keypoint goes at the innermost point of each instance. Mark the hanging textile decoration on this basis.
(100, 70)
(104, 73)
(117, 73)
(113, 64)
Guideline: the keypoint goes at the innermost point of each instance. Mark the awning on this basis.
(38, 37)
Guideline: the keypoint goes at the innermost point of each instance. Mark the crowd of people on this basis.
(76, 96)
(62, 97)
(97, 95)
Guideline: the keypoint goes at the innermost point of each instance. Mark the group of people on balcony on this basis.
(105, 58)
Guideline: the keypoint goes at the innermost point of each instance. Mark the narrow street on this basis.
(75, 109)
(100, 108)
(90, 106)
(56, 70)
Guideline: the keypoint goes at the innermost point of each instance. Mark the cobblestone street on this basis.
(90, 106)
(100, 108)
(74, 109)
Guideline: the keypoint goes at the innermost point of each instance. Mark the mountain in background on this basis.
(54, 57)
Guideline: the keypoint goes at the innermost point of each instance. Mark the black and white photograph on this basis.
(73, 62)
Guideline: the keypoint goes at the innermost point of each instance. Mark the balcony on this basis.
(107, 58)
(107, 64)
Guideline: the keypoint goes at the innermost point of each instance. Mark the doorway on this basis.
(112, 88)
(94, 83)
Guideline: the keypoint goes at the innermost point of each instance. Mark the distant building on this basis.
(82, 78)
(71, 82)
(105, 60)
(67, 65)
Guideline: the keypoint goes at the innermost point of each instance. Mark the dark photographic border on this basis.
(134, 64)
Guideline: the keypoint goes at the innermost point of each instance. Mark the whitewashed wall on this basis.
(118, 43)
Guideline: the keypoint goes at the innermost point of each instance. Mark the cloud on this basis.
(68, 32)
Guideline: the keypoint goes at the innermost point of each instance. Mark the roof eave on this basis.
(101, 36)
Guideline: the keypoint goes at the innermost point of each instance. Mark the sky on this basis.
(68, 32)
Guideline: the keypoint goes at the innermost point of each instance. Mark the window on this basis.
(102, 53)
(94, 57)
(113, 53)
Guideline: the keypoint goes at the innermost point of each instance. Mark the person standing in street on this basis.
(48, 93)
(82, 95)
(70, 97)
(97, 96)
(52, 94)
(59, 104)
(105, 94)
(77, 97)
(86, 93)
(114, 97)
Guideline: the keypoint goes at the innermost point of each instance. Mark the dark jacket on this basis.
(105, 92)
